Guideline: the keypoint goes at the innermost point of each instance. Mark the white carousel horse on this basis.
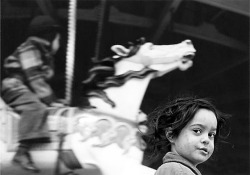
(106, 136)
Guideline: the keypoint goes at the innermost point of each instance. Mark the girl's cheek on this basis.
(212, 148)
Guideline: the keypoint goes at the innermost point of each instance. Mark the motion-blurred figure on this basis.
(26, 90)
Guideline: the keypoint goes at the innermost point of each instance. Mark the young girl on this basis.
(187, 129)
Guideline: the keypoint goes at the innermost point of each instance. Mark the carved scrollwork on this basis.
(108, 130)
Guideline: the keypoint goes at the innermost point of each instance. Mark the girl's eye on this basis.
(212, 135)
(197, 131)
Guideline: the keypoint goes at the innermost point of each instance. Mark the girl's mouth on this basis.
(204, 150)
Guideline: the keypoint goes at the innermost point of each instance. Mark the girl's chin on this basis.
(201, 159)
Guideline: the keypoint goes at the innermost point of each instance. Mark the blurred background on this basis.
(219, 30)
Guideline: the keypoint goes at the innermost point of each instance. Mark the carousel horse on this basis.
(105, 134)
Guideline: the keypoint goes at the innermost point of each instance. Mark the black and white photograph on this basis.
(125, 87)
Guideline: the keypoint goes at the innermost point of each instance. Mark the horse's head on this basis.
(159, 57)
(117, 84)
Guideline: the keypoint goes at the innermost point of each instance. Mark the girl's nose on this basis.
(205, 140)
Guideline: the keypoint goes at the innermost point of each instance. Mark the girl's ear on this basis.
(169, 134)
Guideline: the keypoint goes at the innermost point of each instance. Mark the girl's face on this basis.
(196, 140)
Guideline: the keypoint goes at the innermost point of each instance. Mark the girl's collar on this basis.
(173, 157)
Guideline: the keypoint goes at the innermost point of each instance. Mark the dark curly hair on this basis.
(176, 114)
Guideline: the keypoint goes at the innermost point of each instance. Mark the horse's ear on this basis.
(120, 50)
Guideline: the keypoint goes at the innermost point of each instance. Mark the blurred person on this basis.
(26, 89)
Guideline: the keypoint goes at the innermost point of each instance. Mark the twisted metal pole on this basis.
(70, 55)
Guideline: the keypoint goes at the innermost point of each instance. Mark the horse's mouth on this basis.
(189, 56)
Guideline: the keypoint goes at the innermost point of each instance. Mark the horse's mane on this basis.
(102, 75)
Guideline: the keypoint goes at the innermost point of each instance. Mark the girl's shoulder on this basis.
(174, 168)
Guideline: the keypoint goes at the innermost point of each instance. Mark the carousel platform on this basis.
(45, 156)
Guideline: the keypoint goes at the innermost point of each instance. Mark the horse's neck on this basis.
(128, 97)
(124, 66)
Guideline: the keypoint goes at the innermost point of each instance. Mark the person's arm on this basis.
(37, 72)
(32, 67)
(43, 90)
(45, 93)
(173, 168)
